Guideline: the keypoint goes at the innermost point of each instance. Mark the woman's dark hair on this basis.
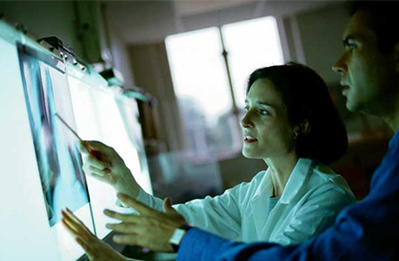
(383, 20)
(306, 97)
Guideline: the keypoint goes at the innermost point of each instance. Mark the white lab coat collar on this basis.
(257, 204)
(265, 188)
(294, 183)
(296, 180)
(265, 191)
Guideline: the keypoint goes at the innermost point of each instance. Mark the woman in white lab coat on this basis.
(292, 125)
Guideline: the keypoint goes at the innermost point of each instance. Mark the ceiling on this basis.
(191, 7)
(145, 21)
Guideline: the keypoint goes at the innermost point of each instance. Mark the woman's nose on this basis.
(246, 121)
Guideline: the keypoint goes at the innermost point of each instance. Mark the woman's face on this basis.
(266, 128)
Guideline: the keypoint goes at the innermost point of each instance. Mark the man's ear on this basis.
(302, 129)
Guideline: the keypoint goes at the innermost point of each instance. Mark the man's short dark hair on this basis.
(306, 97)
(384, 20)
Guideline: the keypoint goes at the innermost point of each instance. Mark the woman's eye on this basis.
(263, 112)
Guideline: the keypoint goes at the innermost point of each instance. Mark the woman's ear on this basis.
(302, 129)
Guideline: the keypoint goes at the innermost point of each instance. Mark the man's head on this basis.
(369, 66)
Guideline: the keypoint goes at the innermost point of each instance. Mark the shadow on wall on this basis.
(364, 154)
(175, 176)
(239, 169)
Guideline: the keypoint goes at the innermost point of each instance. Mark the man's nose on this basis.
(340, 67)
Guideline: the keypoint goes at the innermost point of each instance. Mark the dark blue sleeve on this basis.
(368, 230)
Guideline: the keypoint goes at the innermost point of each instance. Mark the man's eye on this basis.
(263, 112)
(351, 47)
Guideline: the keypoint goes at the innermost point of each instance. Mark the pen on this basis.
(92, 152)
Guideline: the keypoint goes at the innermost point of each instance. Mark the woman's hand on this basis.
(151, 229)
(104, 164)
(96, 250)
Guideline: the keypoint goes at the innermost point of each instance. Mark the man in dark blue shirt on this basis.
(368, 230)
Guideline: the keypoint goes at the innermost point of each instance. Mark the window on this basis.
(251, 45)
(199, 72)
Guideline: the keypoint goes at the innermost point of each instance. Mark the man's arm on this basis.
(201, 245)
(333, 244)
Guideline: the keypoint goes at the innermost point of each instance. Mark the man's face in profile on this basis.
(366, 73)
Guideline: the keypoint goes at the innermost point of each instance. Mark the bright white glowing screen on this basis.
(41, 166)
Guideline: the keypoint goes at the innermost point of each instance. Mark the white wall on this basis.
(142, 22)
(58, 18)
(120, 56)
(151, 72)
(321, 34)
(44, 19)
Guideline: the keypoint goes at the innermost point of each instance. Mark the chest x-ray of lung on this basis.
(59, 162)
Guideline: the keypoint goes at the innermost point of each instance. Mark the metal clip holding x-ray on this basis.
(63, 50)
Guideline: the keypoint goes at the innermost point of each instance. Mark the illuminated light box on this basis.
(41, 166)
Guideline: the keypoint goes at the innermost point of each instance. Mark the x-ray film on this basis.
(59, 161)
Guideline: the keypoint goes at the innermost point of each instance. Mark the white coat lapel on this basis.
(296, 180)
(287, 200)
(259, 202)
